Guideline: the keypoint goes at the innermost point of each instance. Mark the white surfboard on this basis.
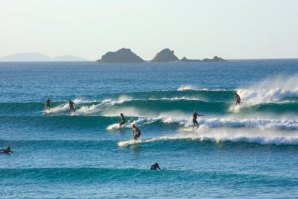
(188, 129)
(234, 108)
(129, 143)
(113, 127)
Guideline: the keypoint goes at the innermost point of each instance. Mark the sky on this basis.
(232, 29)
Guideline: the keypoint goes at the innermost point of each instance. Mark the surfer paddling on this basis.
(47, 104)
(194, 119)
(155, 167)
(7, 150)
(135, 132)
(71, 106)
(122, 120)
(237, 98)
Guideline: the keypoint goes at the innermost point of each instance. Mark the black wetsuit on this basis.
(71, 106)
(122, 120)
(154, 167)
(238, 99)
(48, 104)
(194, 119)
(7, 150)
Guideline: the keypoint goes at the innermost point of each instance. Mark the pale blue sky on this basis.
(193, 28)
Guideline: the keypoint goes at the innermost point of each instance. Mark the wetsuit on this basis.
(48, 104)
(122, 120)
(71, 106)
(194, 119)
(136, 133)
(154, 167)
(238, 99)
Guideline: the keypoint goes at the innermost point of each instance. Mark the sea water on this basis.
(246, 151)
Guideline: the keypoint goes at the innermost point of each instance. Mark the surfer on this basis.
(6, 150)
(122, 120)
(71, 106)
(135, 132)
(237, 98)
(47, 104)
(194, 120)
(155, 167)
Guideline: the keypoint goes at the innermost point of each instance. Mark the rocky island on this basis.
(184, 59)
(214, 59)
(124, 55)
(166, 55)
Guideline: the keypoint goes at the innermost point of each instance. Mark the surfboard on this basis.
(129, 143)
(234, 108)
(2, 152)
(46, 111)
(188, 129)
(112, 127)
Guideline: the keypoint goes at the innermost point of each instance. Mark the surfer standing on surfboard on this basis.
(237, 98)
(71, 106)
(194, 119)
(47, 104)
(122, 120)
(135, 132)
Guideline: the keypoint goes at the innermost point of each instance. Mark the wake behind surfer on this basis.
(122, 120)
(194, 120)
(237, 98)
(6, 150)
(71, 106)
(135, 132)
(47, 104)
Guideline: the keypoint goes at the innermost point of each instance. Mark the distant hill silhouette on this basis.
(124, 55)
(35, 56)
(68, 58)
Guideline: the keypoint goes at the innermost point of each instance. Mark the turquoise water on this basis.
(238, 152)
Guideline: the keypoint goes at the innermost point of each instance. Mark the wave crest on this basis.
(275, 89)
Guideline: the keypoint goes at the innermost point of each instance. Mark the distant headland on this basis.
(38, 57)
(125, 55)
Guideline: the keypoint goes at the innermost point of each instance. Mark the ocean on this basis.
(246, 151)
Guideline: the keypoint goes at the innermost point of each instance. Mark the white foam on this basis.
(116, 126)
(235, 135)
(261, 136)
(183, 119)
(256, 123)
(196, 98)
(87, 110)
(60, 108)
(273, 89)
(187, 88)
(121, 99)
